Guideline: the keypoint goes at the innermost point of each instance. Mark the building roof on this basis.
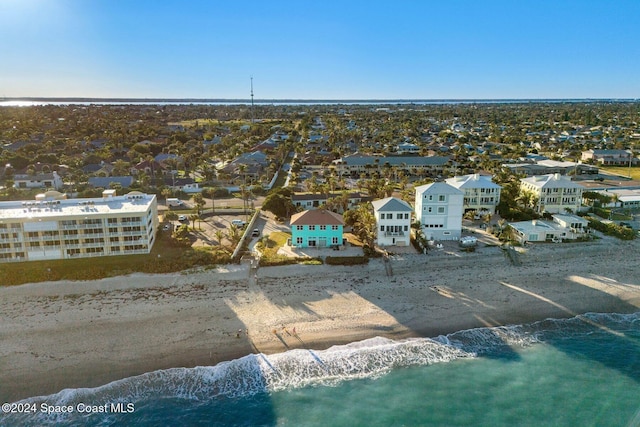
(570, 218)
(321, 196)
(62, 209)
(551, 181)
(104, 182)
(317, 217)
(391, 204)
(438, 188)
(610, 152)
(360, 160)
(536, 225)
(472, 181)
(35, 177)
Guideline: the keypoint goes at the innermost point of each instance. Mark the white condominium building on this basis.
(480, 192)
(53, 227)
(553, 193)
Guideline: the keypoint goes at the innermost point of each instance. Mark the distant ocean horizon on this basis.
(556, 372)
(37, 101)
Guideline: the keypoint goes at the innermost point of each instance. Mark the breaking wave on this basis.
(259, 373)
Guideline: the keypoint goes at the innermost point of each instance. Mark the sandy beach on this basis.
(84, 334)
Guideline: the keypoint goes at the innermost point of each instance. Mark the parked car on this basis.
(167, 227)
(238, 223)
(182, 218)
(255, 232)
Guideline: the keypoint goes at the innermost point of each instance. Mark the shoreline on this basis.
(59, 335)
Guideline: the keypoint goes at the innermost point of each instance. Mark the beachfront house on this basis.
(563, 227)
(553, 193)
(316, 228)
(481, 194)
(439, 208)
(54, 227)
(393, 221)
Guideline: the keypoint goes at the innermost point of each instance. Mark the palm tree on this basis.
(193, 218)
(198, 200)
(219, 236)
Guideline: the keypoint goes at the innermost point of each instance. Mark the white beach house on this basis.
(481, 194)
(393, 221)
(439, 208)
(553, 193)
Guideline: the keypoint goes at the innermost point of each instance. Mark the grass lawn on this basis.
(623, 171)
(165, 257)
(270, 245)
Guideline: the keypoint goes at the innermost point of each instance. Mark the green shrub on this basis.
(612, 229)
(346, 260)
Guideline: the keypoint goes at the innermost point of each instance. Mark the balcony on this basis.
(394, 233)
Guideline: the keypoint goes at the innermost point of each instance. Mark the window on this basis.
(406, 216)
(299, 227)
(382, 228)
(323, 227)
(399, 216)
(334, 241)
(334, 227)
(312, 228)
(430, 209)
(440, 209)
(298, 240)
(406, 228)
(441, 198)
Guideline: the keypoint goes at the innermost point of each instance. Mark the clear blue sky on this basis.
(299, 49)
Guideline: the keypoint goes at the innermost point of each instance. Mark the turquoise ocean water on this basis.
(583, 371)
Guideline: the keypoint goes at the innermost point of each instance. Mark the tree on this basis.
(279, 203)
(219, 236)
(193, 218)
(198, 200)
(363, 223)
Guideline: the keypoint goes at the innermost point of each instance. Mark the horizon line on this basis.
(303, 100)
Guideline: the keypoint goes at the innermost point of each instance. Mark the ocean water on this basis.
(583, 371)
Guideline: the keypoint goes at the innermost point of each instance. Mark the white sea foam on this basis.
(259, 373)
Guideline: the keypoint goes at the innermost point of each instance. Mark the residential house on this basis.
(358, 163)
(106, 181)
(481, 194)
(439, 208)
(609, 157)
(38, 180)
(624, 198)
(553, 193)
(255, 163)
(393, 221)
(188, 185)
(316, 228)
(150, 167)
(544, 167)
(98, 169)
(563, 227)
(407, 148)
(53, 227)
(315, 201)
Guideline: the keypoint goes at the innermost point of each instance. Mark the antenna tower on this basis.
(251, 99)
